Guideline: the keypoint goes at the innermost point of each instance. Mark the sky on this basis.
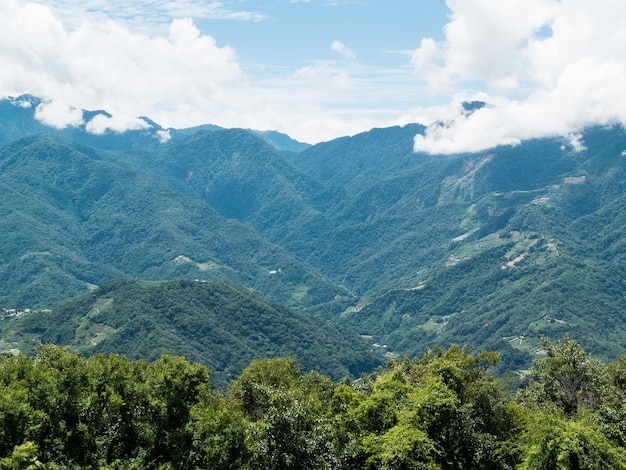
(321, 69)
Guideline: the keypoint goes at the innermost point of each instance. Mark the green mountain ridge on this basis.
(493, 249)
(74, 218)
(214, 323)
(520, 266)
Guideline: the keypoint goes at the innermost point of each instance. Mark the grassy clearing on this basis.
(300, 291)
(435, 324)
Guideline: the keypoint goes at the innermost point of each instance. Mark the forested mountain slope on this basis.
(512, 244)
(493, 249)
(241, 176)
(215, 323)
(74, 216)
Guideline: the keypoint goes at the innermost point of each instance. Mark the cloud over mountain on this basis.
(106, 65)
(546, 67)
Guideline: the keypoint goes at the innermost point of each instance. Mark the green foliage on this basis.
(73, 216)
(220, 435)
(215, 323)
(288, 414)
(400, 447)
(575, 411)
(85, 412)
(560, 444)
(493, 249)
(567, 379)
(23, 457)
(442, 411)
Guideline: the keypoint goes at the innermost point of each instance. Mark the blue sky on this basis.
(321, 69)
(379, 32)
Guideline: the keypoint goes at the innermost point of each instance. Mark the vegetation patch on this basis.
(443, 410)
(300, 292)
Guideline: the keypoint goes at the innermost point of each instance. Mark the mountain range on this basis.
(493, 249)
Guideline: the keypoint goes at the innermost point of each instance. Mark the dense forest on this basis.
(441, 411)
(492, 249)
(215, 323)
(222, 300)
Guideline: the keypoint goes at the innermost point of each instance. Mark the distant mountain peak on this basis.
(24, 115)
(89, 115)
(470, 107)
(25, 101)
(282, 142)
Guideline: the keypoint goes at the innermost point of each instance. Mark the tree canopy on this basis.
(444, 410)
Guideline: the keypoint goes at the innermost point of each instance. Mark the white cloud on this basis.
(163, 136)
(484, 38)
(427, 62)
(142, 59)
(343, 50)
(59, 115)
(180, 78)
(545, 67)
(22, 103)
(323, 74)
(108, 66)
(575, 141)
(101, 124)
(548, 68)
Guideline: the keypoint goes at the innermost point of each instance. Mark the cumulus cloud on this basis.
(101, 124)
(105, 65)
(547, 67)
(22, 102)
(58, 115)
(178, 77)
(163, 136)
